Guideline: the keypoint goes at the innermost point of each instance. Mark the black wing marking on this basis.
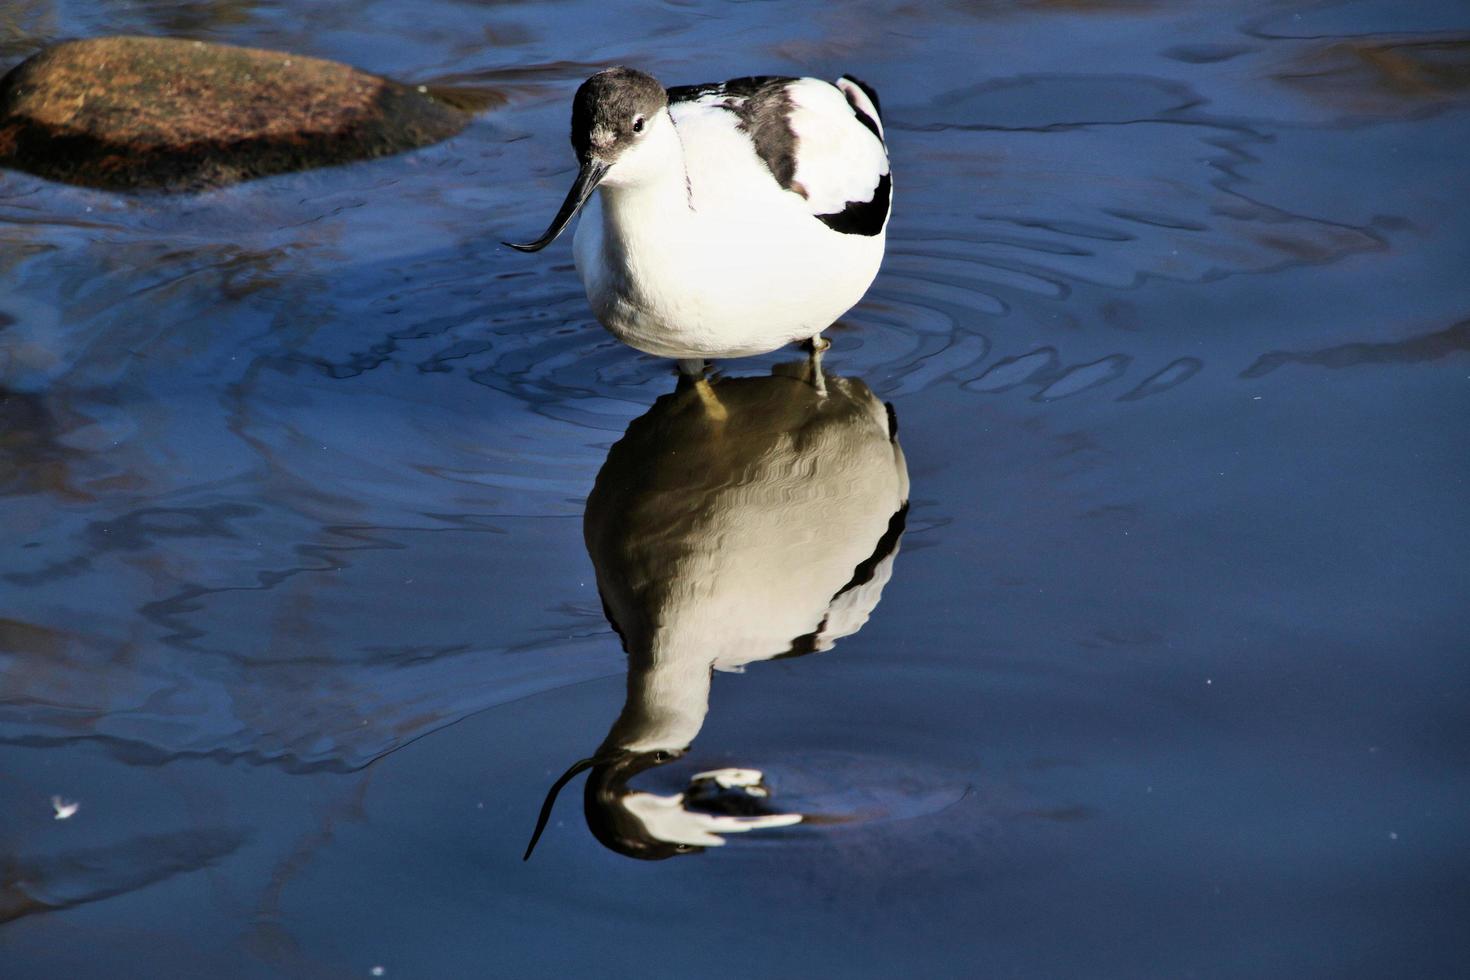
(858, 110)
(764, 110)
(861, 575)
(863, 217)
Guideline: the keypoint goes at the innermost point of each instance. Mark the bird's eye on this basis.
(637, 124)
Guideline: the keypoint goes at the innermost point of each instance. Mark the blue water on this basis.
(1169, 678)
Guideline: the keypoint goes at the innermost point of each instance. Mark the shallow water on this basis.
(1169, 675)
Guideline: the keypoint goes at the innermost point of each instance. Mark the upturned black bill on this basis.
(566, 777)
(587, 180)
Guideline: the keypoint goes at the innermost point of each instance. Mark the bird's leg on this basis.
(711, 401)
(816, 346)
(693, 369)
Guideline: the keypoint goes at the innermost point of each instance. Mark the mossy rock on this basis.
(137, 113)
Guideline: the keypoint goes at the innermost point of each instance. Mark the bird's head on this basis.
(618, 117)
(652, 827)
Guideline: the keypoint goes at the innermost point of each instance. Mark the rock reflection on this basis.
(756, 524)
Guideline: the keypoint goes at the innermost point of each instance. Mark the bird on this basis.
(707, 559)
(727, 219)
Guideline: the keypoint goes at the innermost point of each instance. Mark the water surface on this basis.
(1168, 673)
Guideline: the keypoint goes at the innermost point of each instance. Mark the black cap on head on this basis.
(607, 816)
(609, 113)
(610, 109)
(612, 823)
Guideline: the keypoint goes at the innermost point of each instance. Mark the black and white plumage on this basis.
(850, 187)
(730, 219)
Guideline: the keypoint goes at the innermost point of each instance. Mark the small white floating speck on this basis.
(423, 90)
(1392, 835)
(65, 809)
(377, 971)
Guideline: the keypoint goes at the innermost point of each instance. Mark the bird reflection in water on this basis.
(760, 527)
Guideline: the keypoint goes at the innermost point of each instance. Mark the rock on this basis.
(163, 113)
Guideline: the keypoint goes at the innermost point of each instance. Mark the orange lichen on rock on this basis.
(144, 112)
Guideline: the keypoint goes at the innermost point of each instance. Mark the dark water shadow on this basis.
(46, 884)
(1410, 350)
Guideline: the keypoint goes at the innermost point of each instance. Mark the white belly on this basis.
(719, 283)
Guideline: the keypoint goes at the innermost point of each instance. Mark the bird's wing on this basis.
(821, 141)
